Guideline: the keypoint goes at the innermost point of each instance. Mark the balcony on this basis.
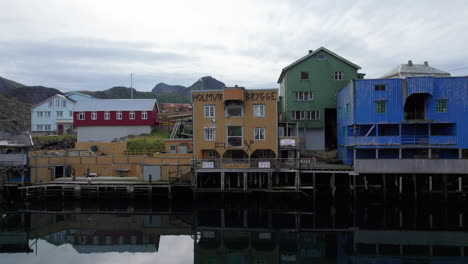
(403, 140)
(289, 142)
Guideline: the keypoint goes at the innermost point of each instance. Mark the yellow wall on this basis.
(108, 148)
(267, 97)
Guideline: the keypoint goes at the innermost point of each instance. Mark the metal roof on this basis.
(15, 139)
(53, 96)
(115, 105)
(312, 54)
(414, 70)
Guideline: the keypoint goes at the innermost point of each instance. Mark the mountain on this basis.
(15, 115)
(162, 88)
(26, 94)
(124, 92)
(207, 83)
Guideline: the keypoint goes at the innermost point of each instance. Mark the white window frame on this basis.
(47, 113)
(70, 113)
(259, 110)
(306, 115)
(304, 96)
(47, 128)
(338, 75)
(93, 115)
(81, 116)
(118, 115)
(132, 115)
(241, 136)
(209, 133)
(59, 113)
(107, 115)
(234, 106)
(212, 154)
(144, 115)
(321, 57)
(261, 132)
(39, 127)
(40, 114)
(209, 110)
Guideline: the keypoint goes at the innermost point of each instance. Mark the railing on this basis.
(289, 142)
(258, 163)
(414, 115)
(415, 140)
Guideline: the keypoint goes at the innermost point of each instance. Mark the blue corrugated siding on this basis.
(362, 97)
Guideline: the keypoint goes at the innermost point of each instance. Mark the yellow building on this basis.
(235, 124)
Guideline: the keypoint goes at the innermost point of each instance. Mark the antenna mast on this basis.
(131, 85)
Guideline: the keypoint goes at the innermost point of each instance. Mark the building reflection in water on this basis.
(329, 234)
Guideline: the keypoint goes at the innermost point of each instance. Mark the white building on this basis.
(54, 115)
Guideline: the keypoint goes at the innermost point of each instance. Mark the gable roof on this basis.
(116, 105)
(78, 93)
(53, 96)
(312, 54)
(414, 70)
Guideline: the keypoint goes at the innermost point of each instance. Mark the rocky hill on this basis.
(183, 93)
(26, 94)
(15, 115)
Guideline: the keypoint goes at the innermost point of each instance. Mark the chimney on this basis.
(310, 51)
(410, 63)
(426, 64)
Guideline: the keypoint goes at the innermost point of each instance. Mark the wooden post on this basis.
(297, 181)
(269, 180)
(315, 185)
(384, 186)
(459, 183)
(430, 183)
(445, 186)
(415, 190)
(245, 181)
(222, 180)
(333, 185)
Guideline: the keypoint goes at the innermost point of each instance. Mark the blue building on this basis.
(412, 125)
(54, 115)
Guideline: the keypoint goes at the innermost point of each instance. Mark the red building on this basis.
(106, 120)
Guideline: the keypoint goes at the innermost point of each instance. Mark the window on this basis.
(108, 240)
(118, 115)
(47, 128)
(380, 87)
(211, 153)
(120, 240)
(133, 240)
(209, 110)
(347, 109)
(441, 106)
(93, 116)
(172, 149)
(338, 75)
(51, 103)
(81, 116)
(234, 136)
(259, 133)
(70, 113)
(234, 109)
(64, 103)
(306, 115)
(39, 114)
(144, 115)
(210, 134)
(59, 113)
(304, 76)
(47, 114)
(259, 110)
(321, 57)
(380, 107)
(132, 114)
(106, 115)
(304, 96)
(39, 127)
(96, 240)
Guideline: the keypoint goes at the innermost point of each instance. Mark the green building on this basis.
(308, 89)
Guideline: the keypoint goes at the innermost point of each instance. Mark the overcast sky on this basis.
(95, 45)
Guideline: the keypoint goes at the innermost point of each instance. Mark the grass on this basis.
(54, 142)
(153, 142)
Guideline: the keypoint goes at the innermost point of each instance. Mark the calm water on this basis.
(236, 231)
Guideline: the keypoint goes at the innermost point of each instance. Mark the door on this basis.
(58, 172)
(151, 173)
(60, 129)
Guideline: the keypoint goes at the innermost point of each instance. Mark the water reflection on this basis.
(168, 232)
